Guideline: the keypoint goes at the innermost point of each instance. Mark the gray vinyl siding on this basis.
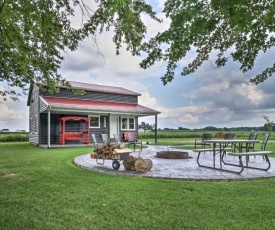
(34, 116)
(70, 127)
(96, 96)
(43, 106)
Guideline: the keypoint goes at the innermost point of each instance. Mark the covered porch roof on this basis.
(59, 104)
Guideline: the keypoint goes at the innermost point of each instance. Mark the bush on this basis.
(14, 138)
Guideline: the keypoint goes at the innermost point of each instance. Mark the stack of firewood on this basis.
(106, 151)
(137, 164)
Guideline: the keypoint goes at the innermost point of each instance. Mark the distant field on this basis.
(198, 134)
(185, 140)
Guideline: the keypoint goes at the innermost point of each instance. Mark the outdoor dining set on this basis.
(231, 147)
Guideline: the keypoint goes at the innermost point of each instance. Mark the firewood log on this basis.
(129, 163)
(131, 159)
(143, 165)
(118, 146)
(120, 151)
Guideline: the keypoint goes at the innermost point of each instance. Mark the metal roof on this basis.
(102, 88)
(58, 103)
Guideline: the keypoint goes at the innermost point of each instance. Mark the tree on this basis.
(233, 29)
(34, 35)
(269, 124)
(146, 126)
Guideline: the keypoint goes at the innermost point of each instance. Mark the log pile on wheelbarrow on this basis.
(114, 152)
(117, 153)
(109, 150)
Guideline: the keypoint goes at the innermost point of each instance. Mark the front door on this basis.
(113, 125)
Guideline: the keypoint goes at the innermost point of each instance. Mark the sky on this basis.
(210, 97)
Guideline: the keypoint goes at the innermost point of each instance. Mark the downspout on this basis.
(49, 127)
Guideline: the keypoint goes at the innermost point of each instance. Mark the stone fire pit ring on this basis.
(173, 155)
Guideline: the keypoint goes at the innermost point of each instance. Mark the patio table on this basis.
(219, 146)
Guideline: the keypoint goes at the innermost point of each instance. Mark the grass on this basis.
(42, 189)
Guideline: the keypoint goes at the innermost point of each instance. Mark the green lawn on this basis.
(42, 189)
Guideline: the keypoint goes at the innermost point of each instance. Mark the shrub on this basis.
(14, 138)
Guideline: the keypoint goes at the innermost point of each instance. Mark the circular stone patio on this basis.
(181, 169)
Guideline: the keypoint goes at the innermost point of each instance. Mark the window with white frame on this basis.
(127, 123)
(94, 121)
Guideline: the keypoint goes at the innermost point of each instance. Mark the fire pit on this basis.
(173, 155)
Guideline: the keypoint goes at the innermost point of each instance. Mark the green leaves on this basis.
(243, 28)
(34, 33)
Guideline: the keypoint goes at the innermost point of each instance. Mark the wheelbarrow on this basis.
(116, 156)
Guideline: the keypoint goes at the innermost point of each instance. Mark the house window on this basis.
(128, 123)
(94, 121)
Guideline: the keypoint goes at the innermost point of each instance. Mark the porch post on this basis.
(108, 126)
(49, 128)
(156, 128)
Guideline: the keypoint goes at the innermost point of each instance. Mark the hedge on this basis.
(14, 138)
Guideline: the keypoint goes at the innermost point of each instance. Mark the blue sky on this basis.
(210, 97)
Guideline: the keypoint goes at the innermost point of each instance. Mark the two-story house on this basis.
(64, 118)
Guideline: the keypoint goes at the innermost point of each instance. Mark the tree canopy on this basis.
(35, 34)
(237, 29)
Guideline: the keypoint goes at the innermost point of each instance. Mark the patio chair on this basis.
(229, 136)
(263, 144)
(117, 138)
(252, 136)
(205, 136)
(134, 140)
(96, 143)
(105, 139)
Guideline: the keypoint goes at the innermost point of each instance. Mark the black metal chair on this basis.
(263, 145)
(229, 136)
(249, 147)
(205, 136)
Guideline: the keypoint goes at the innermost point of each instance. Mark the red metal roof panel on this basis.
(97, 105)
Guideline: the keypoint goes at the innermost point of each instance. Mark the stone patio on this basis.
(181, 169)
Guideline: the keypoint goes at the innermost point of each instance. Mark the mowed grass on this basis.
(42, 189)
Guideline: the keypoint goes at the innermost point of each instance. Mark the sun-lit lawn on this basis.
(42, 189)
